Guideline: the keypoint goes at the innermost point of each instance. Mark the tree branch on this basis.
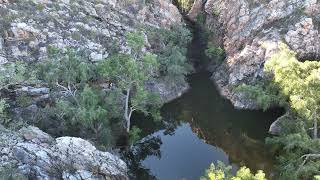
(307, 156)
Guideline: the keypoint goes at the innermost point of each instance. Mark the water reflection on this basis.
(201, 127)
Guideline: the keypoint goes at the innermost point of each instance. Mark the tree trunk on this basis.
(126, 111)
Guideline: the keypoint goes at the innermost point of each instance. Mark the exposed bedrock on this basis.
(251, 31)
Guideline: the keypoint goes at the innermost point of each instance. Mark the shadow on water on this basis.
(200, 128)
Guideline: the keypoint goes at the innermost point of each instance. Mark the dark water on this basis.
(202, 128)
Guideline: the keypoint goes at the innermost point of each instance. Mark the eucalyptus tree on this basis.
(130, 74)
(299, 82)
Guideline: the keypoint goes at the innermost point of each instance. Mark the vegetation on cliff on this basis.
(296, 86)
(92, 98)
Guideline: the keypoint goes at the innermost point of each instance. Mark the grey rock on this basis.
(252, 33)
(35, 153)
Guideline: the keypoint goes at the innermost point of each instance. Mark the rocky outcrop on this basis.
(252, 33)
(30, 29)
(37, 155)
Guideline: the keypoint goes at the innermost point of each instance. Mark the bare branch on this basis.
(307, 156)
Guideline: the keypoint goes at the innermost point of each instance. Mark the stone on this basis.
(35, 135)
(43, 157)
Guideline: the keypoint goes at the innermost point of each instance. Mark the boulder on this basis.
(36, 154)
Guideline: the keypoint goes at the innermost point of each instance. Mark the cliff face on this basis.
(29, 28)
(252, 31)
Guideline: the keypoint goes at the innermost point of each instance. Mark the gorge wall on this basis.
(250, 32)
(29, 28)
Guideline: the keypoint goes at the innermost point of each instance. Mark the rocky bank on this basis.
(250, 32)
(36, 155)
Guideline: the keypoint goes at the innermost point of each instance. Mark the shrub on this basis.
(222, 172)
(264, 94)
(171, 53)
(135, 40)
(214, 52)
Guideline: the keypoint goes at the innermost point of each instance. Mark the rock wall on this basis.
(29, 28)
(252, 31)
(37, 155)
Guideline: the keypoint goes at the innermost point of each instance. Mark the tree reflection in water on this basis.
(233, 135)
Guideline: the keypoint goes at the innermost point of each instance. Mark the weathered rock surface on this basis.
(252, 33)
(29, 29)
(37, 155)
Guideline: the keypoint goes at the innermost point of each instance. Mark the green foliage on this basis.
(15, 73)
(265, 95)
(214, 52)
(299, 81)
(24, 100)
(292, 144)
(185, 5)
(86, 110)
(12, 74)
(123, 70)
(66, 68)
(11, 174)
(222, 172)
(171, 47)
(134, 134)
(81, 104)
(3, 111)
(201, 18)
(128, 73)
(135, 40)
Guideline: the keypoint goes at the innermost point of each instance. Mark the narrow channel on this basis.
(201, 128)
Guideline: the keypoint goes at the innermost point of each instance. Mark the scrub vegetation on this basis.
(294, 85)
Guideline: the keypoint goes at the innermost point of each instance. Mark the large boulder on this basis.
(36, 154)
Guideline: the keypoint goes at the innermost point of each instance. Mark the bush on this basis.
(10, 75)
(222, 172)
(65, 68)
(214, 52)
(171, 47)
(135, 40)
(264, 94)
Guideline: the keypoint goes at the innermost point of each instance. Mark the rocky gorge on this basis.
(28, 30)
(249, 31)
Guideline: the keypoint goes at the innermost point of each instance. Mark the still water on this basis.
(201, 128)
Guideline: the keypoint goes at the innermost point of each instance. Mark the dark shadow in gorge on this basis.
(239, 134)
